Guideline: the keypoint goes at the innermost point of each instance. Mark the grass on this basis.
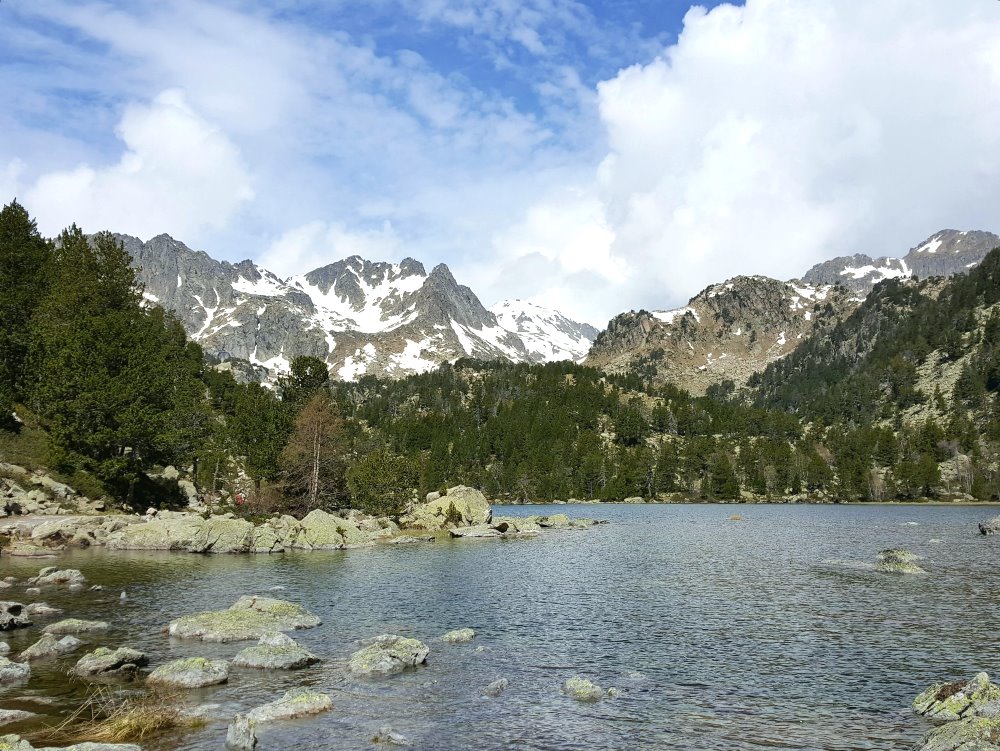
(108, 716)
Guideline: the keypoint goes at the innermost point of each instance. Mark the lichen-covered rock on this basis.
(251, 617)
(972, 734)
(75, 626)
(990, 526)
(12, 616)
(275, 652)
(190, 533)
(459, 636)
(582, 690)
(123, 661)
(13, 672)
(952, 701)
(16, 743)
(190, 672)
(460, 507)
(53, 575)
(50, 646)
(241, 735)
(896, 561)
(388, 654)
(295, 703)
(320, 530)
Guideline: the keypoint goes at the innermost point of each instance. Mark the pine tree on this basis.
(259, 429)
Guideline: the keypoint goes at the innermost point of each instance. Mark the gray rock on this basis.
(4, 648)
(459, 636)
(990, 526)
(896, 561)
(960, 700)
(972, 734)
(251, 617)
(50, 646)
(386, 736)
(275, 652)
(388, 654)
(471, 509)
(10, 716)
(190, 672)
(105, 661)
(241, 734)
(295, 703)
(12, 616)
(477, 532)
(52, 575)
(582, 690)
(41, 608)
(13, 672)
(75, 626)
(496, 688)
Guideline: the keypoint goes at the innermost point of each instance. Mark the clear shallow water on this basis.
(773, 632)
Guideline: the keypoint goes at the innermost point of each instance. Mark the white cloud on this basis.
(177, 173)
(319, 243)
(781, 133)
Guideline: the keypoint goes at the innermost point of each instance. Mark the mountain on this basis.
(947, 253)
(361, 317)
(726, 332)
(546, 333)
(731, 330)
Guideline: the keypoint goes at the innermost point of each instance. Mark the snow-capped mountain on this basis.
(944, 254)
(546, 333)
(361, 317)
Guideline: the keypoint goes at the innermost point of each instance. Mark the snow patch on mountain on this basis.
(547, 334)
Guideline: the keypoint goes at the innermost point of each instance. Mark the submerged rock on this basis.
(459, 636)
(496, 688)
(191, 672)
(990, 526)
(50, 646)
(12, 616)
(388, 654)
(896, 561)
(275, 652)
(106, 661)
(386, 736)
(952, 701)
(10, 716)
(13, 672)
(250, 617)
(17, 743)
(582, 690)
(41, 608)
(295, 703)
(241, 734)
(75, 626)
(4, 647)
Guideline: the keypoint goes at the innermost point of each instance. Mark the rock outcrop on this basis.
(461, 506)
(970, 712)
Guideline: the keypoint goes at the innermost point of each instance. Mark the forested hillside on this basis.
(97, 384)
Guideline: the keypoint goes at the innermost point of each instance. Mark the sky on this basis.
(593, 157)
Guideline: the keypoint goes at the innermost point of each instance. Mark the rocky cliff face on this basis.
(726, 332)
(362, 318)
(947, 253)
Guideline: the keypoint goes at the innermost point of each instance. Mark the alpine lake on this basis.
(772, 632)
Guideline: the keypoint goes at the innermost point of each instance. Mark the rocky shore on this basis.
(461, 513)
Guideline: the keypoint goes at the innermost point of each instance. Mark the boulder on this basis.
(41, 608)
(53, 575)
(295, 703)
(460, 507)
(459, 636)
(106, 661)
(75, 626)
(50, 646)
(275, 652)
(945, 702)
(386, 736)
(972, 734)
(13, 672)
(896, 561)
(16, 743)
(241, 734)
(388, 654)
(496, 688)
(190, 533)
(990, 526)
(478, 532)
(582, 690)
(58, 489)
(320, 530)
(12, 616)
(190, 672)
(251, 617)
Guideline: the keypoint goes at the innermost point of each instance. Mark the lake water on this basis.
(772, 632)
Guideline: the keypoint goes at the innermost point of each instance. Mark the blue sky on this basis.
(593, 157)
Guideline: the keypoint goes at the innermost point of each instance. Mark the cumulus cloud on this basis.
(781, 133)
(177, 171)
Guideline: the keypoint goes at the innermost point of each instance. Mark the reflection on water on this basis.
(772, 632)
